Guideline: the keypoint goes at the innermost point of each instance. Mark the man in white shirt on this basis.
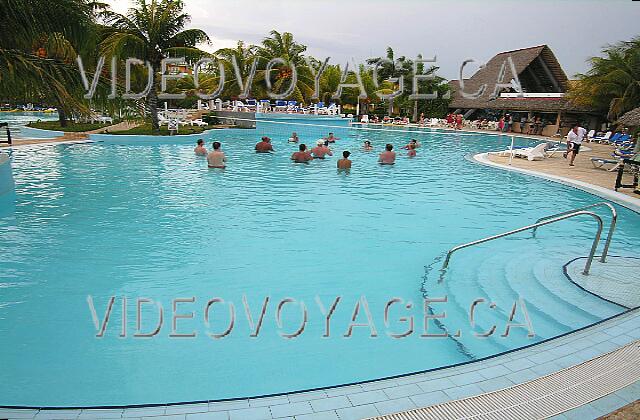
(574, 141)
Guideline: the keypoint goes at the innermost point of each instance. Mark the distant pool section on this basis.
(18, 124)
(37, 133)
(126, 139)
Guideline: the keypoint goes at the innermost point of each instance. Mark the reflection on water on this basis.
(150, 220)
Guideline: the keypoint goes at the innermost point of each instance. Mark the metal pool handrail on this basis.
(6, 125)
(612, 225)
(592, 253)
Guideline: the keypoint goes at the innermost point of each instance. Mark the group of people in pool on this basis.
(217, 159)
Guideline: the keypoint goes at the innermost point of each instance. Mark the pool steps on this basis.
(571, 308)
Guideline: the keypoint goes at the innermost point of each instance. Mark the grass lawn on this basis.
(145, 129)
(71, 127)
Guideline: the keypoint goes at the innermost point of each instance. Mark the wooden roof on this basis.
(538, 71)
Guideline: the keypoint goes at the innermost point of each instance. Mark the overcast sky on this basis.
(451, 30)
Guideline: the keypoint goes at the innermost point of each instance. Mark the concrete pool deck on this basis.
(583, 171)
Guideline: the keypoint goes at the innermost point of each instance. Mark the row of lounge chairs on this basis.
(163, 120)
(617, 139)
(264, 105)
(623, 151)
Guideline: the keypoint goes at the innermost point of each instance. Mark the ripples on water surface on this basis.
(150, 220)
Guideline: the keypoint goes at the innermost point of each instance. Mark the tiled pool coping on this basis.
(393, 395)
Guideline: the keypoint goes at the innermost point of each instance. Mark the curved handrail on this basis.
(612, 225)
(594, 246)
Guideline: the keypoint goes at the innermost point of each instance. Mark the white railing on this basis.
(531, 95)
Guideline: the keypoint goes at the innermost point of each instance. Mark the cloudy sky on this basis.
(451, 30)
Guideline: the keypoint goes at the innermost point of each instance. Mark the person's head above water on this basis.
(200, 142)
(216, 145)
(302, 147)
(367, 142)
(320, 143)
(346, 154)
(389, 147)
(414, 141)
(266, 139)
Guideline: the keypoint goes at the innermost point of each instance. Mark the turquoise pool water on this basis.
(17, 120)
(149, 220)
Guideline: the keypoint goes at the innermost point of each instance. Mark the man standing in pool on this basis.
(331, 138)
(301, 156)
(200, 150)
(321, 150)
(344, 163)
(216, 158)
(388, 157)
(264, 146)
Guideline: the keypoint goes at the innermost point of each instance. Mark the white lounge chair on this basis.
(538, 152)
(605, 138)
(162, 120)
(240, 106)
(198, 122)
(599, 162)
(365, 119)
(590, 135)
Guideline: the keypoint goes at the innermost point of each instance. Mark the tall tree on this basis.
(283, 46)
(151, 31)
(39, 39)
(243, 55)
(612, 84)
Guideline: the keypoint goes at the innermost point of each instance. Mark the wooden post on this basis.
(558, 121)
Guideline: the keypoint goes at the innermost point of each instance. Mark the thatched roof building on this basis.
(543, 82)
(631, 118)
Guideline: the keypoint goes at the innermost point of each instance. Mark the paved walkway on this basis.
(544, 397)
(583, 171)
(121, 126)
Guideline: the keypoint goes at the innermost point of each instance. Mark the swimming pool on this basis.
(18, 120)
(149, 220)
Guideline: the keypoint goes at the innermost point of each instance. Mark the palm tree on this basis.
(613, 82)
(39, 41)
(152, 31)
(243, 55)
(389, 67)
(282, 45)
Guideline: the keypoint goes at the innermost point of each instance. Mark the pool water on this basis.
(147, 219)
(17, 120)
